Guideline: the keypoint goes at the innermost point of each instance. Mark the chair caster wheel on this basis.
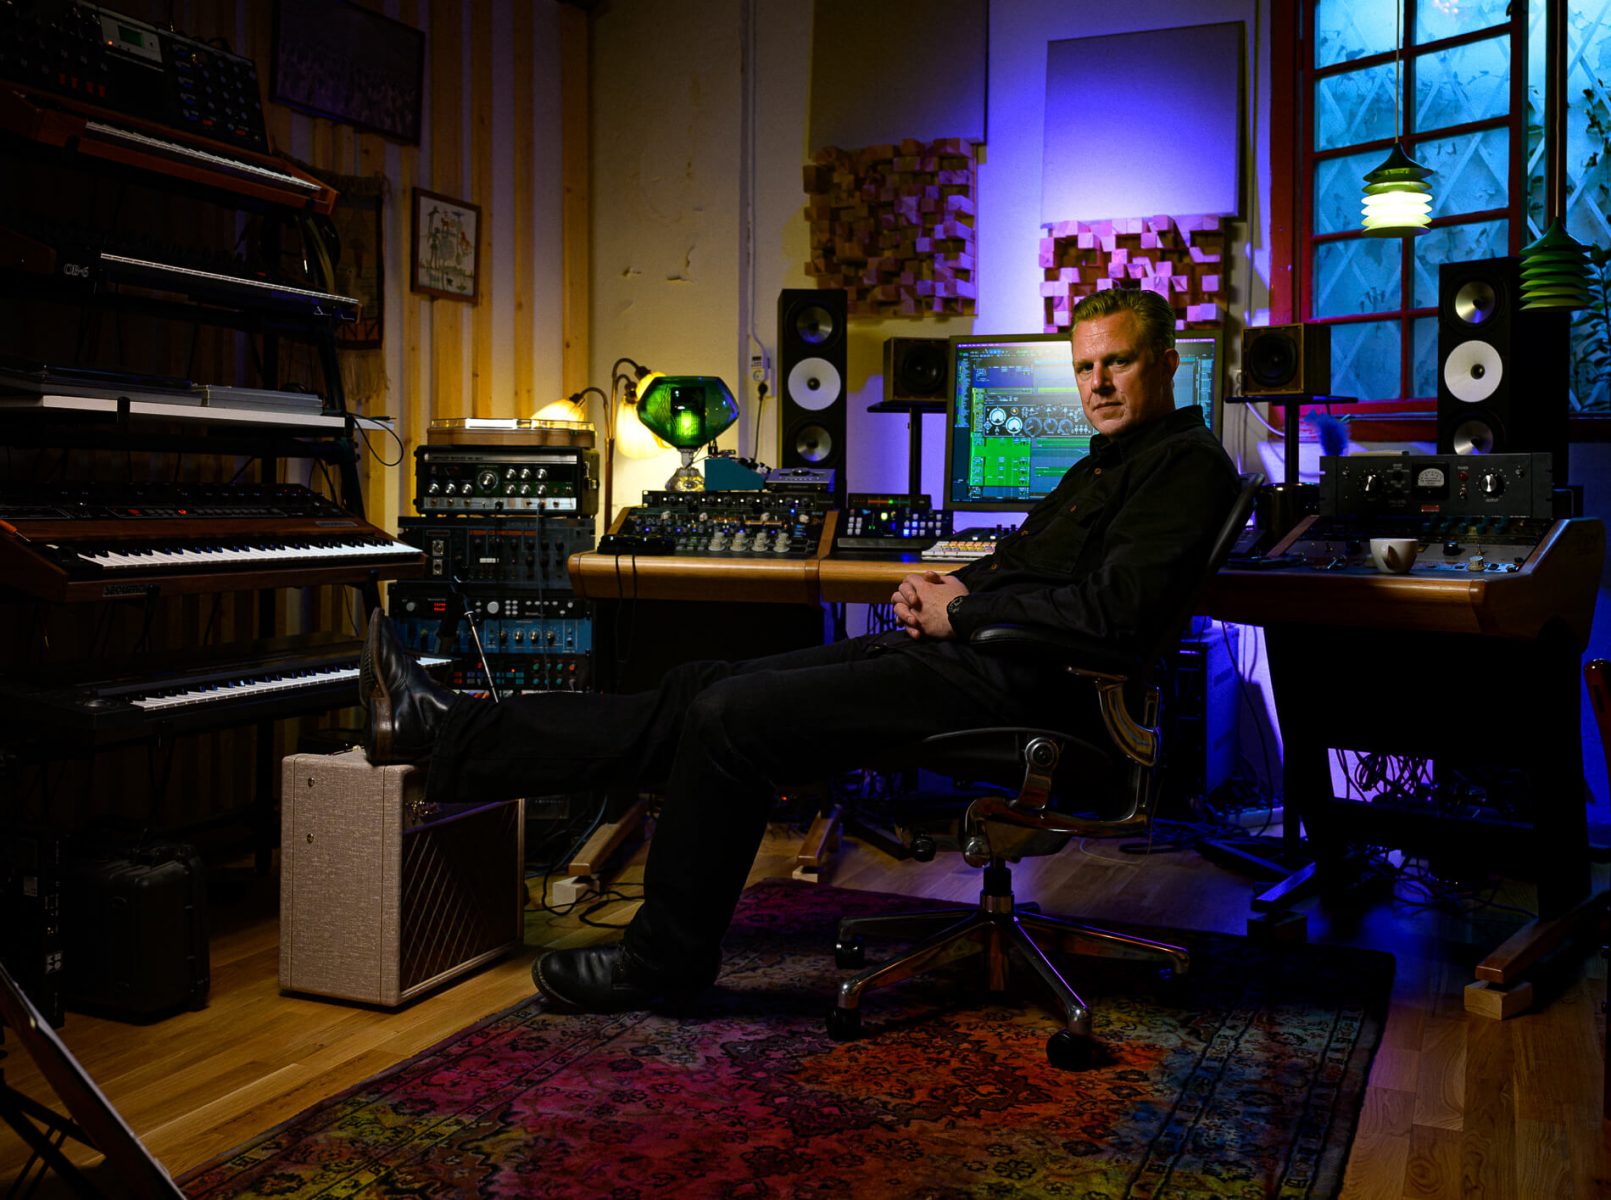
(1067, 1052)
(844, 1024)
(850, 952)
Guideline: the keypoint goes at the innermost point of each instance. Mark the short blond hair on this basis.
(1156, 316)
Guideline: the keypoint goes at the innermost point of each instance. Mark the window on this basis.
(1467, 116)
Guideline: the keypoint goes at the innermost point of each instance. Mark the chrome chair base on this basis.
(998, 931)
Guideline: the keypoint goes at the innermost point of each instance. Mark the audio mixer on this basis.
(738, 524)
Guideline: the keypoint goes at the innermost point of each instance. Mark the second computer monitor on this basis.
(1014, 423)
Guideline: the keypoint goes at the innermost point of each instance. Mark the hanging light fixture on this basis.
(1398, 200)
(1555, 268)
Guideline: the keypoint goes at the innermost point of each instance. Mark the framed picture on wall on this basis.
(445, 256)
(334, 59)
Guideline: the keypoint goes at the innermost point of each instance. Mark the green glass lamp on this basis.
(687, 411)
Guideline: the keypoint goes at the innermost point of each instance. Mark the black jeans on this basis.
(718, 739)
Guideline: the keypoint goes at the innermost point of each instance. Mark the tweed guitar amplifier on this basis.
(383, 897)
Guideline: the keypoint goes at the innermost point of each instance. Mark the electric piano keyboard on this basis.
(117, 138)
(211, 690)
(72, 544)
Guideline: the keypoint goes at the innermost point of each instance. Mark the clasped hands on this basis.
(920, 602)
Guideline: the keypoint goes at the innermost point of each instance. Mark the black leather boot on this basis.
(404, 705)
(608, 979)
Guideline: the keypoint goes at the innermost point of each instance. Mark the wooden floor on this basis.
(1458, 1106)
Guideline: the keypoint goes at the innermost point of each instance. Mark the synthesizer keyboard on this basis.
(92, 543)
(101, 134)
(210, 689)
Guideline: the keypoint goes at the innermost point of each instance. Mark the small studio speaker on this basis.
(914, 368)
(1483, 408)
(812, 341)
(1285, 360)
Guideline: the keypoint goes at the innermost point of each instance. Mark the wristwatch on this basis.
(953, 608)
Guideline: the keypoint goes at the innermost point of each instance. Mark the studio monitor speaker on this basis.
(812, 341)
(1490, 401)
(915, 368)
(1286, 360)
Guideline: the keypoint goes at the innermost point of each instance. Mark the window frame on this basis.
(1407, 418)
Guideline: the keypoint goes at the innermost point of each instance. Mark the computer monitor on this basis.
(1014, 424)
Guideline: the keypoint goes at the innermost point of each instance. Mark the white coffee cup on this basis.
(1394, 556)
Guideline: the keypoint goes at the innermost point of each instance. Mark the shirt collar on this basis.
(1106, 449)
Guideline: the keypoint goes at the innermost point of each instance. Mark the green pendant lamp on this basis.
(1398, 201)
(1555, 268)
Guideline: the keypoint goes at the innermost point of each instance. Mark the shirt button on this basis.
(1098, 471)
(1073, 508)
(995, 566)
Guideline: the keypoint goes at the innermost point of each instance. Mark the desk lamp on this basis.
(687, 411)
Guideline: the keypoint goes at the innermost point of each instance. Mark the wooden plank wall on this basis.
(491, 134)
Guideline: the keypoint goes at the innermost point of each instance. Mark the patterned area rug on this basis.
(1242, 1080)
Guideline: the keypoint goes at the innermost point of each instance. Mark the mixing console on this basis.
(737, 524)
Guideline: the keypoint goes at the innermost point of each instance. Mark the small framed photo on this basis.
(446, 248)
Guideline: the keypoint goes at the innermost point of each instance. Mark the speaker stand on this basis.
(1294, 506)
(914, 435)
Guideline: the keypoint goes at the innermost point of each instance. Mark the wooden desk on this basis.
(1464, 671)
(741, 579)
(1432, 664)
(684, 577)
(868, 580)
(1454, 667)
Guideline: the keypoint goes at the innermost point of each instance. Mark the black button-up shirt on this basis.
(1112, 550)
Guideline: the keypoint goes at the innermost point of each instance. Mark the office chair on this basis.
(1029, 765)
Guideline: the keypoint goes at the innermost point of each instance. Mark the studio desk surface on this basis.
(1555, 586)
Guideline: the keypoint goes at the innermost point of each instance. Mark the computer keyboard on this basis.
(968, 544)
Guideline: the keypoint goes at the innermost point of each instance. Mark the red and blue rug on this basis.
(1242, 1080)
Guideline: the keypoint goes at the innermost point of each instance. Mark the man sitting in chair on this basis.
(1107, 555)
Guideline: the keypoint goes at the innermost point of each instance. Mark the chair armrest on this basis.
(1109, 666)
(1070, 651)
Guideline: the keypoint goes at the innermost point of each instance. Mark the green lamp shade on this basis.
(1555, 271)
(687, 410)
(1398, 201)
